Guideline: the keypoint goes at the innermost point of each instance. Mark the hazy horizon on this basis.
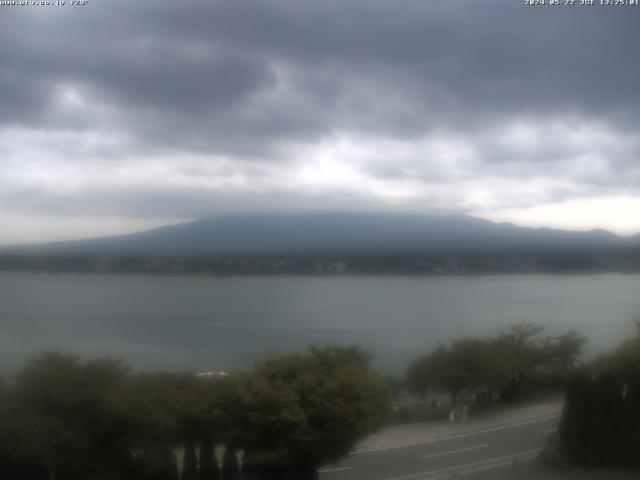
(116, 232)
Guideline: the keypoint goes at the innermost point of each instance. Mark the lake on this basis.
(205, 323)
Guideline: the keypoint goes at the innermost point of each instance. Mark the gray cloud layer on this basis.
(165, 108)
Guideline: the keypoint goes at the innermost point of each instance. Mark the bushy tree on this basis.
(471, 364)
(169, 411)
(563, 351)
(208, 465)
(302, 410)
(504, 364)
(429, 371)
(73, 415)
(625, 359)
(230, 465)
(601, 418)
(530, 356)
(521, 349)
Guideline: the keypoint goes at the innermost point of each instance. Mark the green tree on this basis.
(531, 357)
(429, 371)
(521, 347)
(189, 461)
(208, 465)
(601, 419)
(516, 358)
(563, 351)
(156, 406)
(230, 465)
(467, 364)
(303, 410)
(73, 414)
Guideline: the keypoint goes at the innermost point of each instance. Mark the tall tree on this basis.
(207, 462)
(73, 414)
(470, 364)
(189, 461)
(563, 351)
(306, 409)
(521, 347)
(230, 465)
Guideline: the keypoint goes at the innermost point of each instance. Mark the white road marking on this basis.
(336, 469)
(456, 436)
(495, 462)
(493, 466)
(451, 452)
(551, 430)
(483, 468)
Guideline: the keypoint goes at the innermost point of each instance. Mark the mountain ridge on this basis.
(339, 233)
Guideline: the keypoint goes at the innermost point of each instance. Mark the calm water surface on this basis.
(200, 323)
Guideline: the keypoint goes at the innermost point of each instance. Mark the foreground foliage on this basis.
(70, 419)
(601, 420)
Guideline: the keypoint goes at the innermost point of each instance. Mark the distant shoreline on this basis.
(321, 275)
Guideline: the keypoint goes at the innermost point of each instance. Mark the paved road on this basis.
(496, 452)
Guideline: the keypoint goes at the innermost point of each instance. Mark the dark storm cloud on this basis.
(435, 93)
(204, 66)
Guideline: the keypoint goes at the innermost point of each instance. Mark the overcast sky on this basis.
(123, 115)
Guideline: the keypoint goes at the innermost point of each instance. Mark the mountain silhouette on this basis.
(342, 233)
